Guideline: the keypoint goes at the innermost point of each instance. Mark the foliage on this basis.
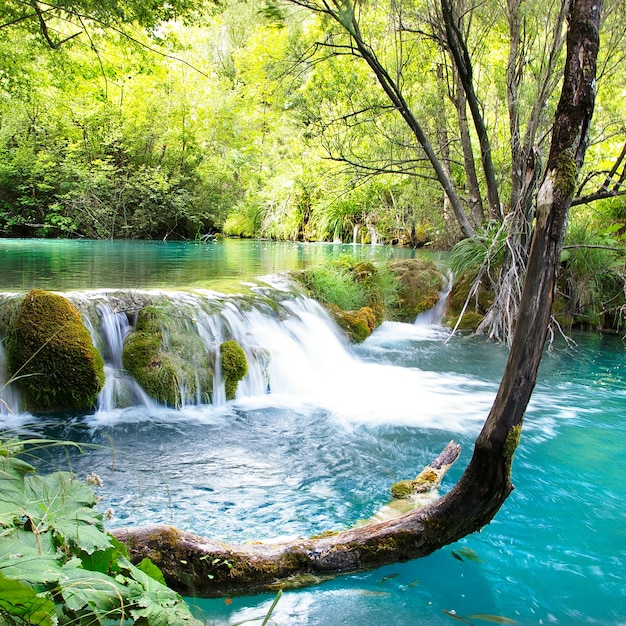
(334, 284)
(485, 251)
(52, 356)
(593, 274)
(372, 292)
(232, 117)
(57, 563)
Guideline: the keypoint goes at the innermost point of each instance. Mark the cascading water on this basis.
(295, 353)
(9, 399)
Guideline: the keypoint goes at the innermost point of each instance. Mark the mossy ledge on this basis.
(166, 357)
(51, 355)
(234, 366)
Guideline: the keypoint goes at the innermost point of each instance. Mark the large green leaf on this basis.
(12, 496)
(30, 557)
(93, 591)
(19, 600)
(152, 602)
(65, 504)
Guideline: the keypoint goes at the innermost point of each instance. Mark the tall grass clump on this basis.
(350, 284)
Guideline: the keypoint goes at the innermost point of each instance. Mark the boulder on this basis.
(419, 285)
(51, 355)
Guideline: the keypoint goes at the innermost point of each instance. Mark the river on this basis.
(318, 447)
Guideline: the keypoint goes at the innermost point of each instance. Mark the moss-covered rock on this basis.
(50, 352)
(166, 357)
(358, 325)
(419, 285)
(234, 366)
(477, 307)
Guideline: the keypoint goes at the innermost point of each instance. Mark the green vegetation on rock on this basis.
(419, 285)
(51, 355)
(166, 357)
(359, 295)
(234, 366)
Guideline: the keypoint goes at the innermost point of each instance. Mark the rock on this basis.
(166, 357)
(234, 366)
(420, 284)
(52, 356)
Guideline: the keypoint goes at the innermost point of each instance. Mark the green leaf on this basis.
(19, 600)
(149, 568)
(65, 504)
(12, 497)
(30, 557)
(154, 603)
(94, 591)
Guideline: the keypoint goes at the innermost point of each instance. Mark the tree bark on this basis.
(459, 53)
(202, 566)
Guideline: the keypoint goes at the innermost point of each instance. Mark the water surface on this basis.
(222, 265)
(320, 449)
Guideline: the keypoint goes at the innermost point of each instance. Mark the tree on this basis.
(58, 23)
(486, 483)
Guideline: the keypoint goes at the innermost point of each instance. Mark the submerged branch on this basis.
(195, 565)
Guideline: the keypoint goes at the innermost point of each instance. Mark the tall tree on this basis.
(486, 483)
(346, 15)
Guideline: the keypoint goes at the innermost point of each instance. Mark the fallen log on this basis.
(198, 566)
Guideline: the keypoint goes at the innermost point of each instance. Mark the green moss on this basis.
(425, 481)
(402, 489)
(565, 173)
(166, 357)
(419, 285)
(512, 441)
(326, 533)
(358, 325)
(147, 362)
(234, 366)
(51, 353)
(348, 284)
(469, 322)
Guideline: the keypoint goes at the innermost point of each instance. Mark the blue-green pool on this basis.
(321, 450)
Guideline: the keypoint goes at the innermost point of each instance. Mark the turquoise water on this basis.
(286, 464)
(222, 265)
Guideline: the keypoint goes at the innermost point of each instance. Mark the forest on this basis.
(267, 120)
(470, 128)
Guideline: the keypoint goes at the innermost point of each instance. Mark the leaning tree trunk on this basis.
(203, 566)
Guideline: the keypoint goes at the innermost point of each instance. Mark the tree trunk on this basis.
(205, 567)
(473, 186)
(458, 51)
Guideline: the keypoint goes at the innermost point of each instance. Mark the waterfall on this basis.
(291, 345)
(373, 235)
(434, 316)
(9, 397)
(296, 355)
(120, 389)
